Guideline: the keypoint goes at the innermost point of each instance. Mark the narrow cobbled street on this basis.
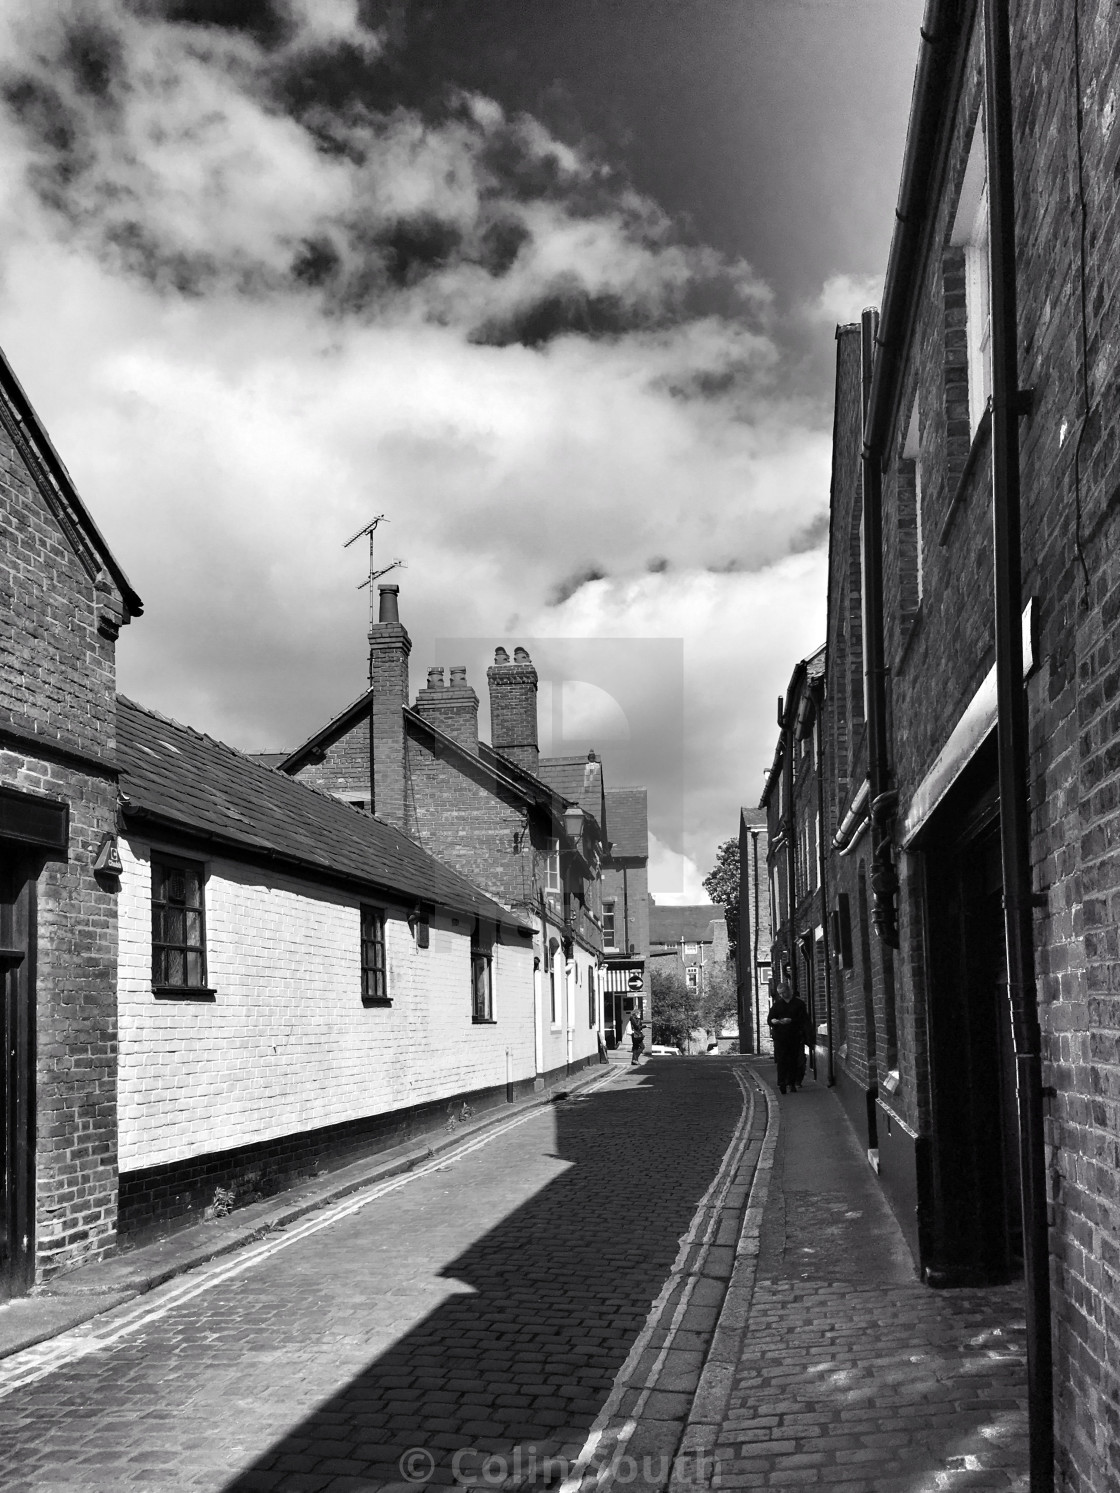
(485, 1303)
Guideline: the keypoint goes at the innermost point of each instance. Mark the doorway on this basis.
(973, 1230)
(17, 1069)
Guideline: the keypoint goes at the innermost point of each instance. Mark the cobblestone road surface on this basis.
(488, 1304)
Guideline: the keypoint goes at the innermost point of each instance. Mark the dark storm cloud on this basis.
(567, 588)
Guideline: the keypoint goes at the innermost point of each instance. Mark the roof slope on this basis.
(627, 813)
(693, 924)
(580, 781)
(42, 454)
(179, 777)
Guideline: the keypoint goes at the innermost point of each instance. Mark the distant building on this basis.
(626, 910)
(792, 801)
(693, 941)
(753, 963)
(530, 831)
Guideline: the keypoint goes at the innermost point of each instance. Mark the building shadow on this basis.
(517, 1367)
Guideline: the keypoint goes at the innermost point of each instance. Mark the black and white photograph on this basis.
(559, 746)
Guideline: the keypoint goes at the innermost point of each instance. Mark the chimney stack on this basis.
(389, 647)
(513, 708)
(451, 708)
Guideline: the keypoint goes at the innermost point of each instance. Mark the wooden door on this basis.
(17, 1070)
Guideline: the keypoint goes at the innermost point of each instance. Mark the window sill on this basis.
(183, 993)
(383, 1003)
(484, 1021)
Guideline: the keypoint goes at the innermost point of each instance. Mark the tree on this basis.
(720, 1004)
(722, 885)
(676, 1013)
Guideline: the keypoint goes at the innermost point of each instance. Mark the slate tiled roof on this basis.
(629, 826)
(668, 925)
(580, 781)
(174, 776)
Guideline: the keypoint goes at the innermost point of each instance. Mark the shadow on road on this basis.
(559, 1291)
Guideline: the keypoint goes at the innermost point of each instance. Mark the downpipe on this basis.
(1013, 739)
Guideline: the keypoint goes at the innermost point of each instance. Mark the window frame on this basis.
(482, 989)
(553, 881)
(972, 233)
(368, 911)
(609, 934)
(162, 862)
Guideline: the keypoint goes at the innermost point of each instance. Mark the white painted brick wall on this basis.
(287, 1045)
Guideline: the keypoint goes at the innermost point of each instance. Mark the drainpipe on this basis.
(884, 881)
(1013, 738)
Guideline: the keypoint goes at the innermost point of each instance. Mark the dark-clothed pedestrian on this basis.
(785, 1032)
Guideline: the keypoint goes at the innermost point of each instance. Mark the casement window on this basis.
(692, 977)
(375, 984)
(553, 993)
(592, 1011)
(482, 977)
(608, 926)
(178, 925)
(971, 233)
(552, 867)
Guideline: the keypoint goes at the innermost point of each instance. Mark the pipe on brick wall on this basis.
(1012, 735)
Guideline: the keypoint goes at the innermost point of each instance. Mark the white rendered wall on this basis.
(286, 1045)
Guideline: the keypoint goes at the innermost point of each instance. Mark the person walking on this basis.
(637, 1036)
(785, 1033)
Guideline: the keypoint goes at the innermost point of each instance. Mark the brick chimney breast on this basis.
(389, 647)
(513, 707)
(451, 708)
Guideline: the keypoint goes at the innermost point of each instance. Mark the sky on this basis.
(550, 284)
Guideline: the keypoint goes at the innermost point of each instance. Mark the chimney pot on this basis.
(521, 656)
(501, 656)
(387, 610)
(513, 707)
(435, 677)
(458, 674)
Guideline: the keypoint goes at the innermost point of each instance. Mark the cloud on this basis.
(252, 319)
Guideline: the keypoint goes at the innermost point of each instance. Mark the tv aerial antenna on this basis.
(374, 573)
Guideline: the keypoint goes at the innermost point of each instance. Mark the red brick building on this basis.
(64, 599)
(530, 831)
(626, 910)
(793, 803)
(974, 818)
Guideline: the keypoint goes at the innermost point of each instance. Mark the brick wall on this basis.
(57, 696)
(344, 770)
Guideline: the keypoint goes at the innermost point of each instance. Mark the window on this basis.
(591, 1001)
(970, 232)
(482, 985)
(692, 977)
(375, 988)
(691, 950)
(911, 558)
(552, 867)
(553, 1016)
(608, 926)
(178, 926)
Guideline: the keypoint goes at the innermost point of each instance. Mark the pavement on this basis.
(832, 1365)
(674, 1279)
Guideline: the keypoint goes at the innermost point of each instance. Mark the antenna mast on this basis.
(374, 574)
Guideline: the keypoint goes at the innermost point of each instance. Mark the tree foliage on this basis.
(720, 1005)
(722, 885)
(676, 1006)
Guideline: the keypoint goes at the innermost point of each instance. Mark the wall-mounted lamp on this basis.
(108, 860)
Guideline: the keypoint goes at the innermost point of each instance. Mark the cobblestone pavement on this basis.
(833, 1366)
(486, 1305)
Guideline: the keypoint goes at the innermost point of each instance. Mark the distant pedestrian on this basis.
(806, 1036)
(785, 1033)
(637, 1036)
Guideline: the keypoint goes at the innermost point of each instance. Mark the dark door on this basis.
(17, 1069)
(972, 1230)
